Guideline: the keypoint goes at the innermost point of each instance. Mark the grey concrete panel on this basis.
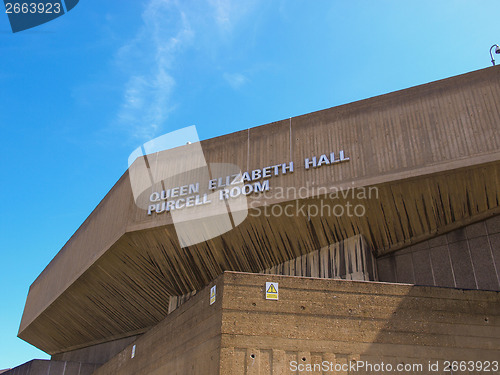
(404, 269)
(495, 249)
(72, 368)
(483, 263)
(438, 241)
(422, 268)
(441, 265)
(57, 368)
(386, 269)
(456, 235)
(476, 230)
(462, 265)
(493, 225)
(100, 353)
(88, 369)
(51, 367)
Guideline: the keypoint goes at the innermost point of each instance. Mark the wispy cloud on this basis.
(148, 58)
(235, 80)
(227, 13)
(169, 28)
(222, 9)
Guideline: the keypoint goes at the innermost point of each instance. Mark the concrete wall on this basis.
(45, 367)
(186, 342)
(97, 354)
(343, 321)
(316, 320)
(466, 258)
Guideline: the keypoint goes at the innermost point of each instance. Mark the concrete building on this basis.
(378, 221)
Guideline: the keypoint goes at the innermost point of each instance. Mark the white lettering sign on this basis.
(232, 186)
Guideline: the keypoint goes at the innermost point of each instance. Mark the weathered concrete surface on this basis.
(49, 367)
(432, 151)
(316, 320)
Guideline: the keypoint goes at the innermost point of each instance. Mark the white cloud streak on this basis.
(227, 13)
(235, 80)
(167, 31)
(148, 58)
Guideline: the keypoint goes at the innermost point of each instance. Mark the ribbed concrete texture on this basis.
(351, 259)
(317, 322)
(467, 258)
(45, 367)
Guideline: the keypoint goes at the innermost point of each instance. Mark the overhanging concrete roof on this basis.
(432, 151)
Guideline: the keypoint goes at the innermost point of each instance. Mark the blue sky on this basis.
(80, 93)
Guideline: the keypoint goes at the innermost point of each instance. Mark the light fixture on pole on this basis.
(497, 51)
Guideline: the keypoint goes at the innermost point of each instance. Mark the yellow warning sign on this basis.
(271, 290)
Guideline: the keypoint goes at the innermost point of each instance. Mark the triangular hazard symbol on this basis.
(272, 289)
